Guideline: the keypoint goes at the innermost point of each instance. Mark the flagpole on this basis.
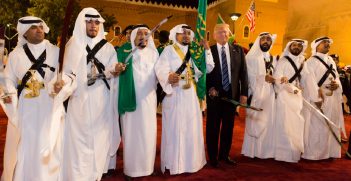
(230, 32)
(246, 12)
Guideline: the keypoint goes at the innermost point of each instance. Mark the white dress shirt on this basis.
(219, 48)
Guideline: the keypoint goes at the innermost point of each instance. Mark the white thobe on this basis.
(319, 141)
(258, 137)
(139, 128)
(34, 116)
(289, 122)
(182, 145)
(91, 120)
(12, 135)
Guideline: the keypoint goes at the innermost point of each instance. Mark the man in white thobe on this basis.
(182, 145)
(137, 105)
(92, 132)
(294, 82)
(31, 68)
(258, 137)
(319, 140)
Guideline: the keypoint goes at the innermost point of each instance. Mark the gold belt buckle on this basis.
(34, 86)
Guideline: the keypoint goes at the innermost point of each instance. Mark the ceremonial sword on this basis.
(241, 105)
(126, 61)
(328, 122)
(320, 112)
(236, 103)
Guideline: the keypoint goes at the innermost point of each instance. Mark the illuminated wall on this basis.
(312, 19)
(271, 15)
(127, 14)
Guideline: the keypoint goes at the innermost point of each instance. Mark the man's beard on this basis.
(295, 52)
(142, 43)
(326, 49)
(265, 47)
(185, 43)
(91, 36)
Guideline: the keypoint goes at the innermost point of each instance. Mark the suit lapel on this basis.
(232, 57)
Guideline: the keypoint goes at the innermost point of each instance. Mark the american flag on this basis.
(251, 16)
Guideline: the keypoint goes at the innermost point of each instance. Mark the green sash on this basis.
(126, 93)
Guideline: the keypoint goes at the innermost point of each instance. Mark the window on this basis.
(117, 30)
(157, 35)
(246, 32)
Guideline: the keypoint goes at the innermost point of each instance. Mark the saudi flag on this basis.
(197, 51)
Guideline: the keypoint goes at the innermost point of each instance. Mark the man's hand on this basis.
(243, 99)
(7, 100)
(119, 68)
(269, 79)
(284, 80)
(205, 44)
(58, 86)
(212, 92)
(333, 85)
(173, 78)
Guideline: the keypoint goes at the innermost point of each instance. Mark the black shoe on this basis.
(228, 161)
(214, 163)
(110, 173)
(128, 178)
(167, 172)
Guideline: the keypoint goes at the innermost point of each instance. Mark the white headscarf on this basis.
(80, 32)
(75, 47)
(287, 47)
(150, 44)
(179, 29)
(75, 55)
(317, 41)
(25, 23)
(256, 51)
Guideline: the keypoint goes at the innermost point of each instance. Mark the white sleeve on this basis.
(209, 61)
(278, 74)
(111, 64)
(9, 73)
(309, 82)
(256, 80)
(162, 69)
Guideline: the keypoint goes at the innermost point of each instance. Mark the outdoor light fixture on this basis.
(235, 16)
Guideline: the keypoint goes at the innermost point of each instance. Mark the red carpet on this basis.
(251, 169)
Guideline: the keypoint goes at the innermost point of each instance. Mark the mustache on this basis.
(296, 49)
(265, 44)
